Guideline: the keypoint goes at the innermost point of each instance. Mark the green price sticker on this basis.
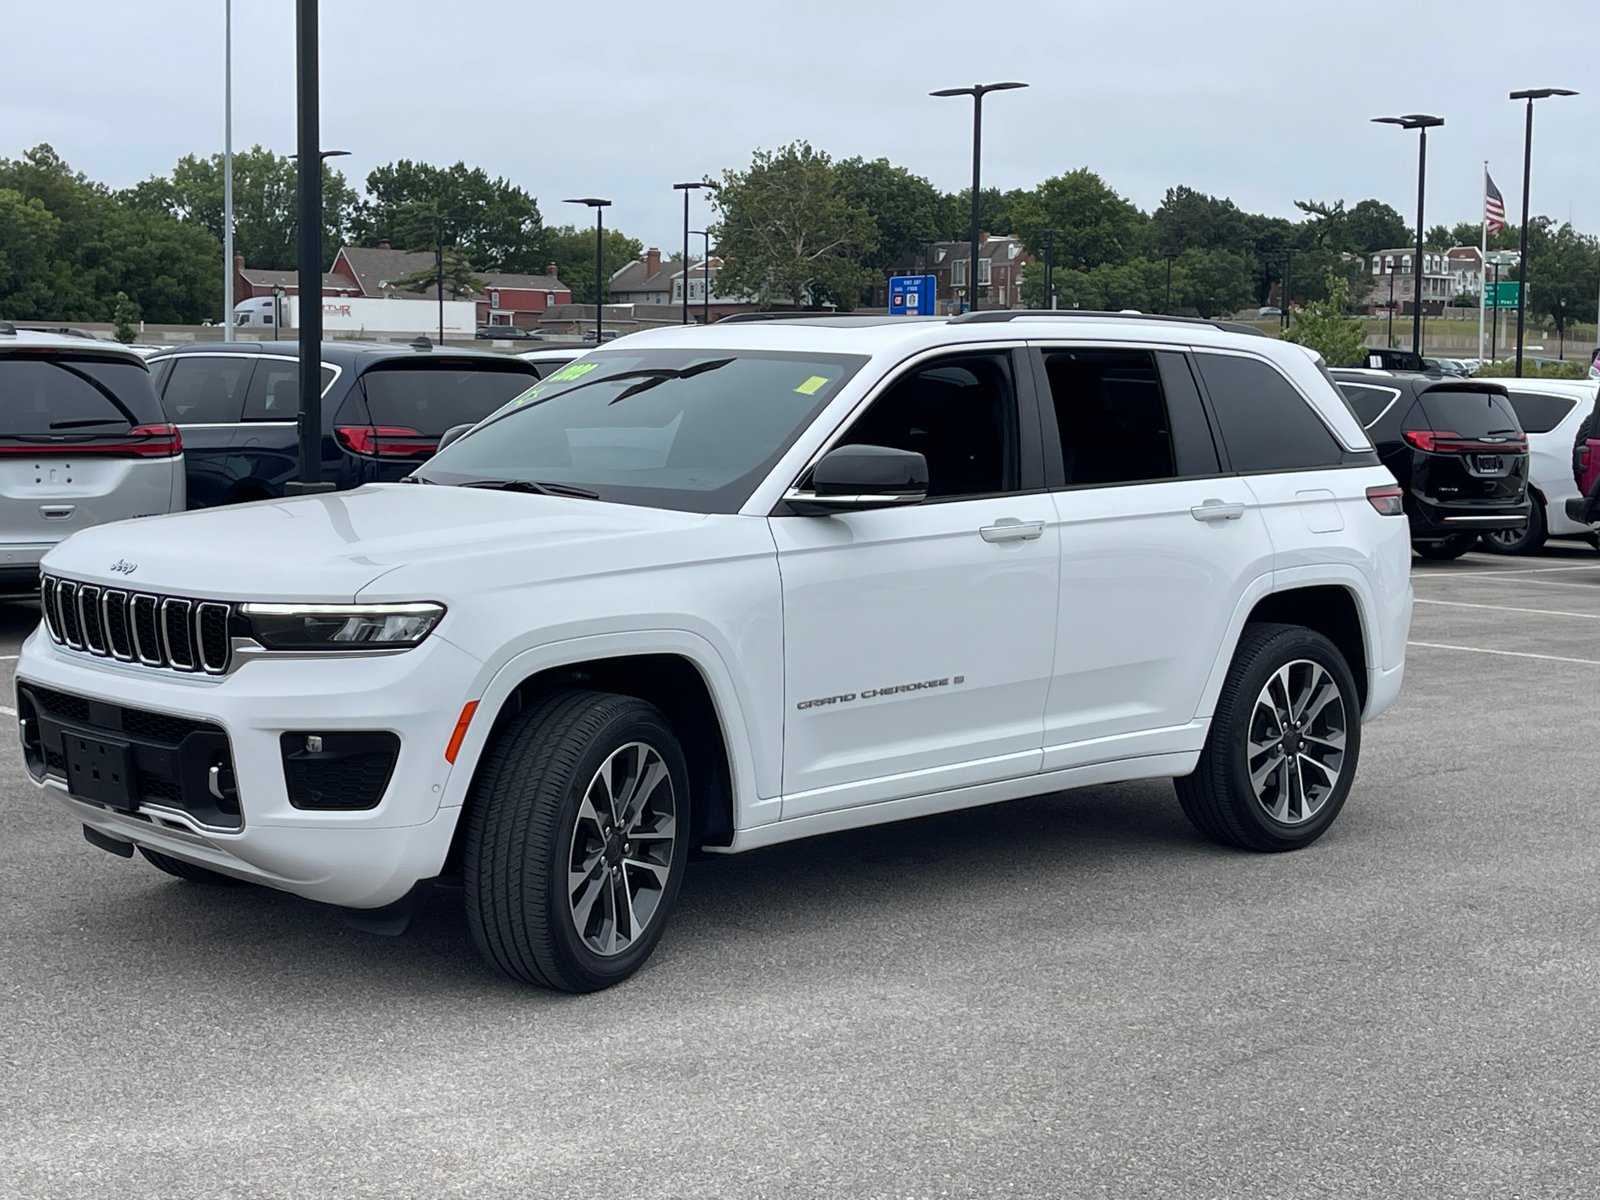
(572, 371)
(810, 386)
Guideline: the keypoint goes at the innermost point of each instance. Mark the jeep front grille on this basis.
(171, 632)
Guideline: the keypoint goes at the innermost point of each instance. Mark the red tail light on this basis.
(1583, 459)
(1388, 499)
(386, 441)
(1441, 441)
(142, 441)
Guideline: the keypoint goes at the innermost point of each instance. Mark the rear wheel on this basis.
(1527, 539)
(1444, 548)
(577, 838)
(1283, 745)
(183, 870)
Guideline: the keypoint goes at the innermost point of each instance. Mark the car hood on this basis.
(330, 547)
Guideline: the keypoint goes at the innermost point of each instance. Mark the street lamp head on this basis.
(329, 154)
(686, 186)
(1542, 93)
(978, 89)
(591, 201)
(1410, 121)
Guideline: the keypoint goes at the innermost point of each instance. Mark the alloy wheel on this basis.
(620, 857)
(1296, 741)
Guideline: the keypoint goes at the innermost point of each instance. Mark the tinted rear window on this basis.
(433, 397)
(1266, 424)
(56, 394)
(1368, 402)
(1467, 414)
(1541, 414)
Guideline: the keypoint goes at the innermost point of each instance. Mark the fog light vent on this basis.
(338, 770)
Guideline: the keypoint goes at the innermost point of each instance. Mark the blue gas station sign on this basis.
(913, 295)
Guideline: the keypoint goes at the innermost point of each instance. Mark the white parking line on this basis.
(8, 658)
(1543, 612)
(10, 712)
(1521, 571)
(1588, 662)
(1493, 577)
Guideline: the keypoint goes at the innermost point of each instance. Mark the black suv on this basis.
(1454, 445)
(383, 409)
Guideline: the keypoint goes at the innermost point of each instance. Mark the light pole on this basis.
(977, 91)
(308, 256)
(1169, 258)
(1421, 122)
(227, 171)
(599, 207)
(1388, 336)
(705, 266)
(1530, 96)
(1288, 282)
(1049, 248)
(686, 188)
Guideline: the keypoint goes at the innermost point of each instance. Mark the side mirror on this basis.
(451, 434)
(853, 478)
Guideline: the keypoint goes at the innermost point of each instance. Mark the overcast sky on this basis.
(1263, 103)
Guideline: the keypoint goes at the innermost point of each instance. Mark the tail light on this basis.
(1583, 459)
(1388, 499)
(386, 441)
(1442, 441)
(142, 441)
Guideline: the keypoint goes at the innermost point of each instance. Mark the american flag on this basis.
(1494, 205)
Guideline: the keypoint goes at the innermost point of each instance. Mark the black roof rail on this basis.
(997, 315)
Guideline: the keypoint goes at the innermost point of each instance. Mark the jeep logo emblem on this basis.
(124, 567)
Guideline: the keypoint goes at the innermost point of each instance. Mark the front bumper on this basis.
(361, 859)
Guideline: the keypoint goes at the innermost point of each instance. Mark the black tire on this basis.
(523, 827)
(1445, 548)
(187, 871)
(1529, 539)
(1219, 797)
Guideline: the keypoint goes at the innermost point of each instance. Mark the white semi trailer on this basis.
(361, 314)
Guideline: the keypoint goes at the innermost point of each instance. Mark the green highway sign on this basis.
(1502, 295)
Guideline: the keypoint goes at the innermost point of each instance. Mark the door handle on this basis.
(1216, 510)
(56, 512)
(1009, 529)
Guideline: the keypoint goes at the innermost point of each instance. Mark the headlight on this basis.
(340, 626)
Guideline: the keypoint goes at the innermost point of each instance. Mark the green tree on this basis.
(1218, 282)
(28, 234)
(1373, 225)
(788, 229)
(1093, 224)
(1439, 238)
(1190, 220)
(572, 251)
(124, 313)
(1323, 326)
(906, 208)
(265, 213)
(496, 223)
(104, 246)
(997, 212)
(1564, 266)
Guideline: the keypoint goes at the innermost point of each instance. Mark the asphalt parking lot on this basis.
(1072, 995)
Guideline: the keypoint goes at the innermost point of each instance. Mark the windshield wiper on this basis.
(536, 487)
(655, 377)
(83, 424)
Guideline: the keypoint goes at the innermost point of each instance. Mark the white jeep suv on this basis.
(727, 586)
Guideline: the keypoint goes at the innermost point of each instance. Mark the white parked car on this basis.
(83, 441)
(726, 586)
(1550, 411)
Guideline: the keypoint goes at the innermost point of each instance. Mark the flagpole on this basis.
(1483, 261)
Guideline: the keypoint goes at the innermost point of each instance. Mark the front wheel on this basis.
(1526, 539)
(577, 838)
(1445, 548)
(1282, 749)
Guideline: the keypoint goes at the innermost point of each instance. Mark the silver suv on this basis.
(83, 441)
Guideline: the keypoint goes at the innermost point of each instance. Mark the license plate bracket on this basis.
(1489, 464)
(100, 769)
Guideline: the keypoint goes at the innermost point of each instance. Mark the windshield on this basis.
(689, 430)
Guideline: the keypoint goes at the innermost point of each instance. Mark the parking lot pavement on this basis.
(1072, 995)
